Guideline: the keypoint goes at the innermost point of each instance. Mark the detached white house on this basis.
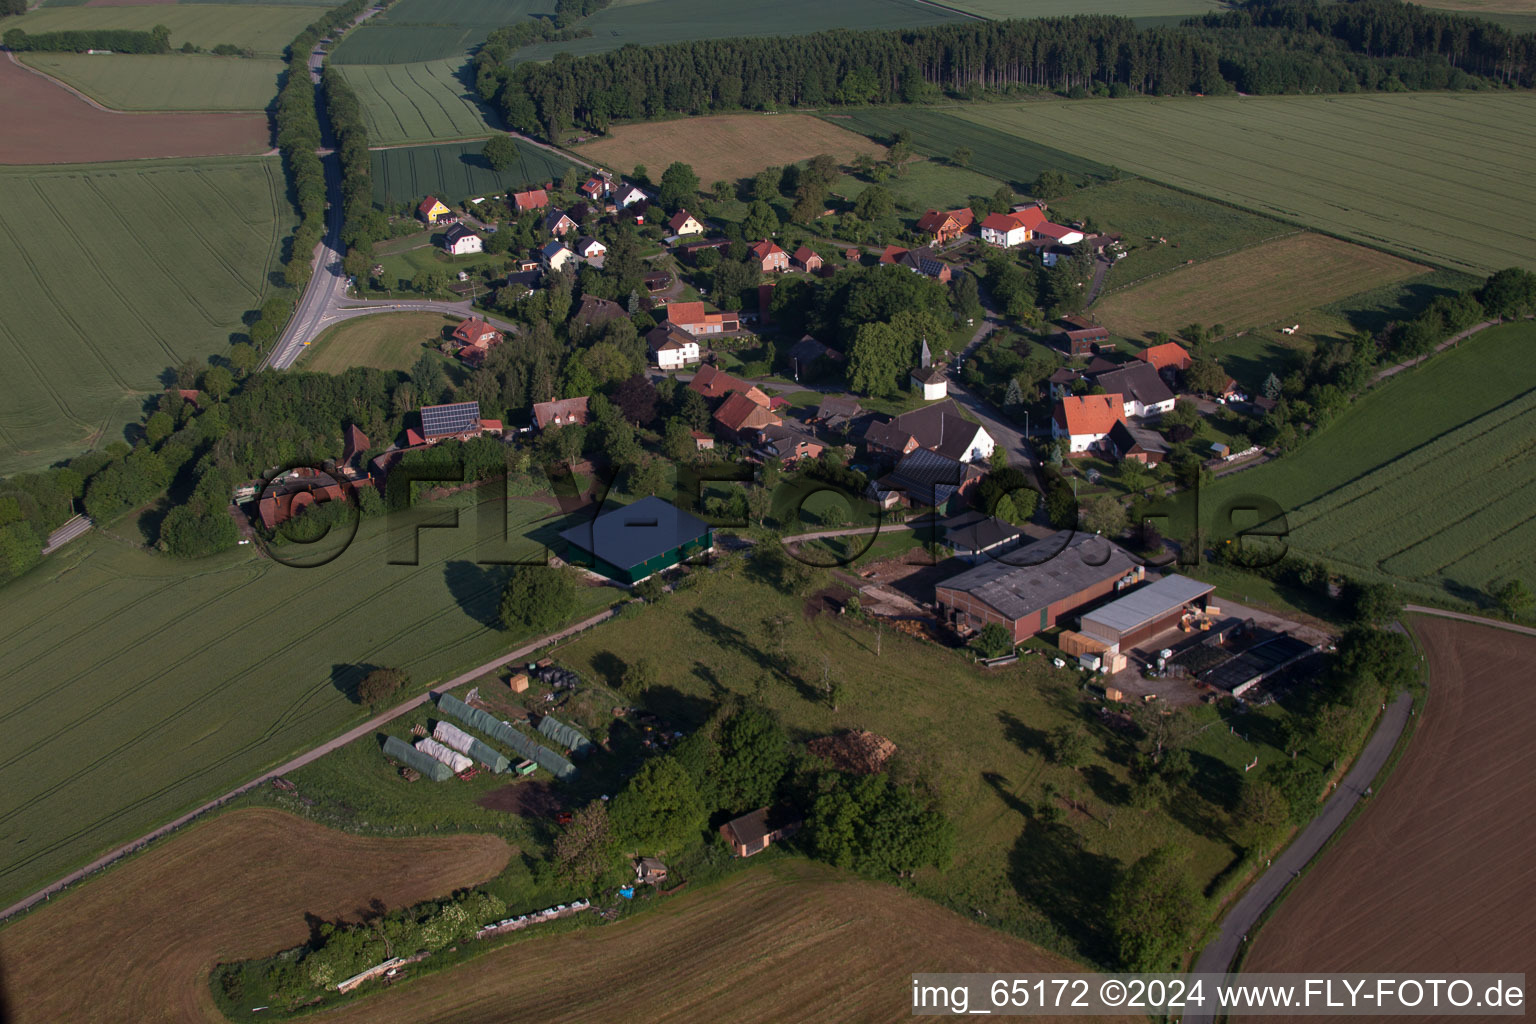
(684, 223)
(1085, 420)
(932, 382)
(628, 195)
(590, 248)
(1146, 393)
(460, 241)
(556, 255)
(671, 347)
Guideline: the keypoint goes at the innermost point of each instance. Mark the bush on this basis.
(538, 598)
(380, 684)
(994, 641)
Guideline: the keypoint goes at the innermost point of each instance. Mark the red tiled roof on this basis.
(1090, 414)
(427, 204)
(933, 220)
(533, 199)
(713, 383)
(566, 410)
(739, 412)
(892, 254)
(490, 424)
(805, 254)
(1168, 354)
(477, 333)
(764, 249)
(413, 439)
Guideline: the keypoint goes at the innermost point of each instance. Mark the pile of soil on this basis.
(533, 799)
(858, 752)
(826, 601)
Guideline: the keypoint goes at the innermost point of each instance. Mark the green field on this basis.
(267, 30)
(165, 81)
(423, 30)
(136, 687)
(163, 260)
(1425, 482)
(386, 341)
(456, 171)
(1387, 170)
(1137, 9)
(670, 21)
(417, 102)
(997, 154)
(927, 185)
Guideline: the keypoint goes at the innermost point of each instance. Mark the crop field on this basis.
(760, 945)
(42, 122)
(725, 147)
(1368, 167)
(261, 28)
(938, 133)
(1436, 869)
(1136, 9)
(1425, 481)
(165, 82)
(169, 683)
(456, 171)
(427, 30)
(417, 102)
(239, 885)
(672, 21)
(1255, 287)
(387, 341)
(91, 329)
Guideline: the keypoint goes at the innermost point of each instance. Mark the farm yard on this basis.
(417, 102)
(176, 900)
(264, 29)
(41, 122)
(674, 21)
(1435, 870)
(386, 341)
(1423, 482)
(751, 947)
(1375, 168)
(726, 147)
(95, 329)
(456, 171)
(167, 686)
(1253, 287)
(126, 81)
(413, 31)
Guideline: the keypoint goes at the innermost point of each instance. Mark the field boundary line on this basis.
(1480, 620)
(355, 733)
(1195, 263)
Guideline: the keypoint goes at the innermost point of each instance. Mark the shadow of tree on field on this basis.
(1068, 884)
(610, 667)
(345, 678)
(1026, 737)
(477, 590)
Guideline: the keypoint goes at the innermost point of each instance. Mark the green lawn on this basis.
(456, 171)
(418, 102)
(265, 29)
(1366, 167)
(171, 255)
(927, 185)
(1424, 481)
(387, 341)
(165, 81)
(401, 268)
(137, 687)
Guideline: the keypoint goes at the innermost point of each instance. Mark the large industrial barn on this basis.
(1146, 612)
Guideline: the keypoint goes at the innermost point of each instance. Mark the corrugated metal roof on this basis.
(1149, 602)
(1021, 582)
(637, 533)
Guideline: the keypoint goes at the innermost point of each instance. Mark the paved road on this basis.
(1419, 609)
(373, 724)
(66, 533)
(1217, 957)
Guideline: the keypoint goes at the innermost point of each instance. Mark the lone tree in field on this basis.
(1515, 599)
(501, 153)
(679, 186)
(1070, 746)
(639, 677)
(380, 684)
(537, 598)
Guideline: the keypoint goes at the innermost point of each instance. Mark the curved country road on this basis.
(303, 759)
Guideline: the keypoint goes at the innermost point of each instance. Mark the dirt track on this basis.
(1435, 875)
(41, 122)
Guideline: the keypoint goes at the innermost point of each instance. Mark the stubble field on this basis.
(417, 102)
(264, 29)
(126, 81)
(1388, 170)
(115, 272)
(790, 941)
(147, 933)
(1435, 874)
(725, 147)
(1254, 287)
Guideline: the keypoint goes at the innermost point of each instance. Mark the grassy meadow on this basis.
(456, 171)
(264, 29)
(1423, 482)
(125, 81)
(136, 687)
(385, 341)
(1386, 170)
(171, 255)
(417, 102)
(413, 31)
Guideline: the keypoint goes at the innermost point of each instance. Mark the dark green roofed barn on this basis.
(632, 542)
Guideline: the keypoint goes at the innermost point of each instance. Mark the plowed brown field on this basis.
(1436, 873)
(137, 944)
(41, 122)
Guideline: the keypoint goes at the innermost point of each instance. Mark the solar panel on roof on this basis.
(449, 419)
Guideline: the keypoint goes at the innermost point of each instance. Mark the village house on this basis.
(565, 412)
(458, 420)
(1079, 335)
(923, 261)
(353, 443)
(591, 250)
(595, 189)
(657, 280)
(594, 312)
(534, 199)
(277, 508)
(1060, 383)
(702, 442)
(752, 833)
(938, 427)
(434, 211)
(924, 479)
(475, 338)
(714, 384)
(837, 412)
(1146, 394)
(787, 442)
(671, 347)
(1167, 357)
(460, 241)
(690, 316)
(683, 223)
(741, 417)
(1136, 444)
(1006, 230)
(1085, 420)
(555, 256)
(806, 259)
(945, 225)
(627, 195)
(891, 255)
(558, 223)
(770, 257)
